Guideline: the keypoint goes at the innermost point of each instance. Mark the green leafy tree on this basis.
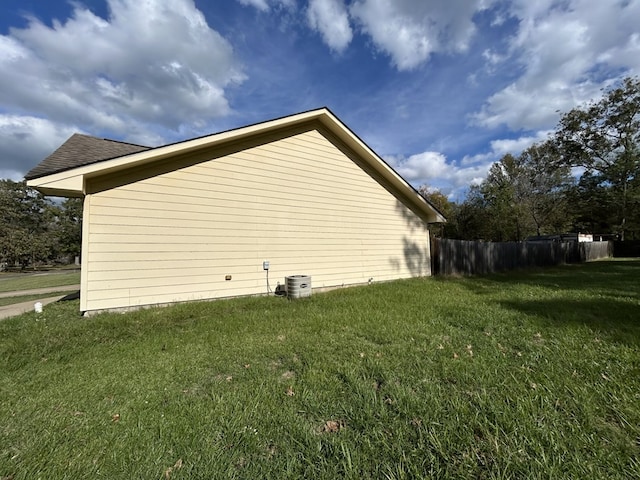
(444, 206)
(473, 217)
(499, 192)
(593, 205)
(521, 196)
(541, 187)
(34, 229)
(25, 221)
(69, 227)
(603, 138)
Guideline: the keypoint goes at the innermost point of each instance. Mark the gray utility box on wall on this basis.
(298, 286)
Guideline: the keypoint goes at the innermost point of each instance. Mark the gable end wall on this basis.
(298, 202)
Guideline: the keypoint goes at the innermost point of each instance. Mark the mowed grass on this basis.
(527, 375)
(11, 282)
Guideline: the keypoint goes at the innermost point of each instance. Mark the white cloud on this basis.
(501, 147)
(453, 178)
(425, 165)
(26, 140)
(515, 146)
(265, 5)
(492, 57)
(568, 51)
(623, 55)
(153, 61)
(433, 169)
(330, 18)
(259, 4)
(409, 31)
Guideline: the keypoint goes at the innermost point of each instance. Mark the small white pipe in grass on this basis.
(38, 307)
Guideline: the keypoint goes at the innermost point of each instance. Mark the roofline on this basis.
(64, 169)
(72, 181)
(179, 142)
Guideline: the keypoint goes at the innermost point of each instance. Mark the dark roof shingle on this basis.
(81, 150)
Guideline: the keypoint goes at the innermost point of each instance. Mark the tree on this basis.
(592, 204)
(444, 206)
(541, 188)
(499, 192)
(69, 227)
(473, 218)
(35, 229)
(25, 221)
(521, 196)
(603, 137)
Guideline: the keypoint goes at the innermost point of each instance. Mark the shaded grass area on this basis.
(510, 376)
(28, 281)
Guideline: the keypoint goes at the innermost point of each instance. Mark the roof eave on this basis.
(59, 185)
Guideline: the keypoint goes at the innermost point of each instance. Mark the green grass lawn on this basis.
(525, 375)
(10, 282)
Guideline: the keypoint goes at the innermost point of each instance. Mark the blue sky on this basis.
(439, 88)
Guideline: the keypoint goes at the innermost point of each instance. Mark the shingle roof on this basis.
(81, 150)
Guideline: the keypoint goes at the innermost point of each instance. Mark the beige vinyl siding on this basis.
(299, 202)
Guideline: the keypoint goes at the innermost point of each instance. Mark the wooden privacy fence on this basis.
(626, 248)
(461, 257)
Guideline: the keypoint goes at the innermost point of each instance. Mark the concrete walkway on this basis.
(20, 308)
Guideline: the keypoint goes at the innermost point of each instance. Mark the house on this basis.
(196, 219)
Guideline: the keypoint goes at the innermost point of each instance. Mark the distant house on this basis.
(197, 219)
